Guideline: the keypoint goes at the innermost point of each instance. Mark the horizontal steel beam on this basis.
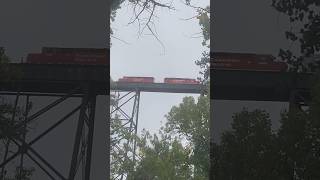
(157, 87)
(225, 84)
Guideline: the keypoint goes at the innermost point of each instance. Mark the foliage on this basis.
(7, 124)
(246, 151)
(299, 140)
(11, 117)
(191, 121)
(305, 15)
(4, 59)
(162, 158)
(204, 62)
(22, 174)
(251, 150)
(181, 149)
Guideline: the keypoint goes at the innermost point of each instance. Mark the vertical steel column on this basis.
(84, 140)
(77, 140)
(91, 110)
(24, 136)
(136, 127)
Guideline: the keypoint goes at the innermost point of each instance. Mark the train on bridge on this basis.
(246, 62)
(83, 56)
(132, 79)
(218, 61)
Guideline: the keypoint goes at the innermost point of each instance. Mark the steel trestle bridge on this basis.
(87, 82)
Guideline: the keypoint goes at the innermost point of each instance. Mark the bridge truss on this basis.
(86, 82)
(124, 115)
(62, 83)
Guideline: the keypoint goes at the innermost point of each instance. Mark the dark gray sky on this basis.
(26, 26)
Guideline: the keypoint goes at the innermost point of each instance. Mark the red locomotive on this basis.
(180, 81)
(85, 56)
(136, 79)
(245, 61)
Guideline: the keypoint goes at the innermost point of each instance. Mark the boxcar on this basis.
(180, 81)
(85, 56)
(245, 61)
(129, 79)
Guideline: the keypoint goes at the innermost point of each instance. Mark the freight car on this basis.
(57, 50)
(84, 56)
(180, 81)
(128, 79)
(246, 61)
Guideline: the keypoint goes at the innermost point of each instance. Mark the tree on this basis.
(305, 16)
(8, 114)
(246, 151)
(251, 150)
(181, 150)
(163, 158)
(299, 141)
(299, 134)
(3, 61)
(22, 174)
(144, 12)
(191, 121)
(11, 116)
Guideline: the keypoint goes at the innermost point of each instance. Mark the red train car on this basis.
(245, 61)
(38, 58)
(129, 79)
(57, 50)
(180, 81)
(85, 56)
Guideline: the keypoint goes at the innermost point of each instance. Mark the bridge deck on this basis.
(226, 85)
(157, 87)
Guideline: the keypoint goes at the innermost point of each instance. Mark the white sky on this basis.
(145, 56)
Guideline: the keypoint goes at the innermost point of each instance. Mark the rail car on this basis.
(129, 79)
(246, 61)
(83, 56)
(180, 81)
(57, 50)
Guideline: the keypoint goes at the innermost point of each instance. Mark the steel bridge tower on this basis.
(124, 113)
(62, 82)
(124, 116)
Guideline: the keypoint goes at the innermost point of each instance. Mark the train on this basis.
(84, 56)
(218, 61)
(134, 79)
(180, 81)
(246, 61)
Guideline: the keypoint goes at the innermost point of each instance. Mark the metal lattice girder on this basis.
(124, 123)
(82, 149)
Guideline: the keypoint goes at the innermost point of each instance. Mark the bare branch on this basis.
(120, 40)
